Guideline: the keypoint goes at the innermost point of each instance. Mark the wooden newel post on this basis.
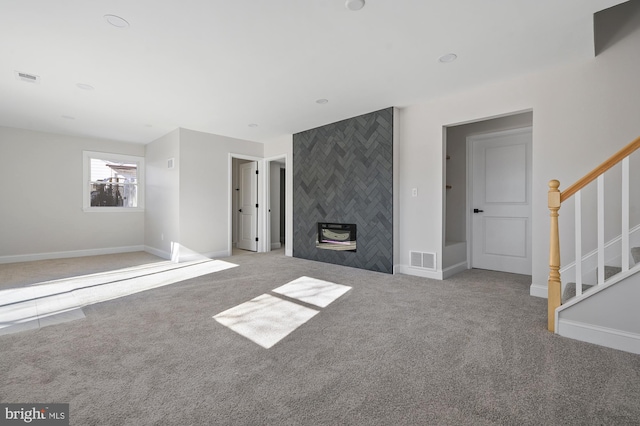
(554, 286)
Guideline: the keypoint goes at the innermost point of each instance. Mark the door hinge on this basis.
(256, 238)
(256, 205)
(257, 172)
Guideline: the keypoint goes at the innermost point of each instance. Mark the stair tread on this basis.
(570, 291)
(609, 271)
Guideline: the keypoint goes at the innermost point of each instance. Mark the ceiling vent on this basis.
(423, 260)
(29, 78)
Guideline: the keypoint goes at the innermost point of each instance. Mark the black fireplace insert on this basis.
(336, 236)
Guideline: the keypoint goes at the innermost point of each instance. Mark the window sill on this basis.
(113, 210)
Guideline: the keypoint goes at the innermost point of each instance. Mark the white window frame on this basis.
(86, 181)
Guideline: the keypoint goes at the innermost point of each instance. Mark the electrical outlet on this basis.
(414, 192)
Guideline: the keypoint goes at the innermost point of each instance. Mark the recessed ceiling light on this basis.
(148, 125)
(68, 117)
(322, 101)
(253, 125)
(449, 57)
(117, 21)
(354, 4)
(84, 86)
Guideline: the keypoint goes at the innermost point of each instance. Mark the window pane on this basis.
(112, 194)
(113, 184)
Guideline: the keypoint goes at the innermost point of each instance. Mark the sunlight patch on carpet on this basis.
(313, 291)
(266, 319)
(57, 301)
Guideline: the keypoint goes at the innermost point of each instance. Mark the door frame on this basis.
(469, 201)
(264, 230)
(246, 207)
(288, 203)
(261, 200)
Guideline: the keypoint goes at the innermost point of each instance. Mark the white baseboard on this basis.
(455, 269)
(538, 290)
(68, 254)
(603, 336)
(157, 252)
(275, 246)
(217, 254)
(417, 272)
(186, 255)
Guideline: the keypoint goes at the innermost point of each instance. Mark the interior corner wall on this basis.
(41, 214)
(204, 190)
(162, 212)
(343, 173)
(583, 112)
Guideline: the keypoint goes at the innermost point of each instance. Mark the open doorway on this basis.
(273, 220)
(458, 229)
(276, 211)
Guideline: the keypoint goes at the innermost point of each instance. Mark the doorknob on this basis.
(478, 211)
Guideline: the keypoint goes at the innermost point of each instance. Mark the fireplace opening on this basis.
(336, 236)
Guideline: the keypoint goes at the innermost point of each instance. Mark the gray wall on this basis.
(41, 213)
(343, 172)
(162, 213)
(615, 307)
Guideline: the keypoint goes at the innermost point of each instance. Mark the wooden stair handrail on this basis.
(593, 174)
(555, 200)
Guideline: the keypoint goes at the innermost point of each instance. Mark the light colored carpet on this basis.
(393, 350)
(266, 319)
(53, 302)
(313, 291)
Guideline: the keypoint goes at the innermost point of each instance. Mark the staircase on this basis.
(604, 312)
(609, 271)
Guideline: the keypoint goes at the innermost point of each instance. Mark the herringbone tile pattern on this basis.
(343, 172)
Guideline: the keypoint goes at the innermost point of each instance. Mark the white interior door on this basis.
(501, 201)
(248, 207)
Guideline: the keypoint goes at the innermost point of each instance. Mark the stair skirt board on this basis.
(603, 336)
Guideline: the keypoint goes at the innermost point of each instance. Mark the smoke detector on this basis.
(26, 77)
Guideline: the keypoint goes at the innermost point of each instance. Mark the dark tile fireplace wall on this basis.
(343, 173)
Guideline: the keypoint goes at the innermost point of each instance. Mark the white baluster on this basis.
(600, 229)
(625, 214)
(578, 212)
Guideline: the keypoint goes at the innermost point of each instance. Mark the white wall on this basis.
(283, 147)
(41, 212)
(205, 189)
(162, 213)
(582, 113)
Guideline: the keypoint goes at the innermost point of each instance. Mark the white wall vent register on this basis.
(29, 78)
(423, 260)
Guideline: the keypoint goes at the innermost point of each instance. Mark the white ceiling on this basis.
(219, 65)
